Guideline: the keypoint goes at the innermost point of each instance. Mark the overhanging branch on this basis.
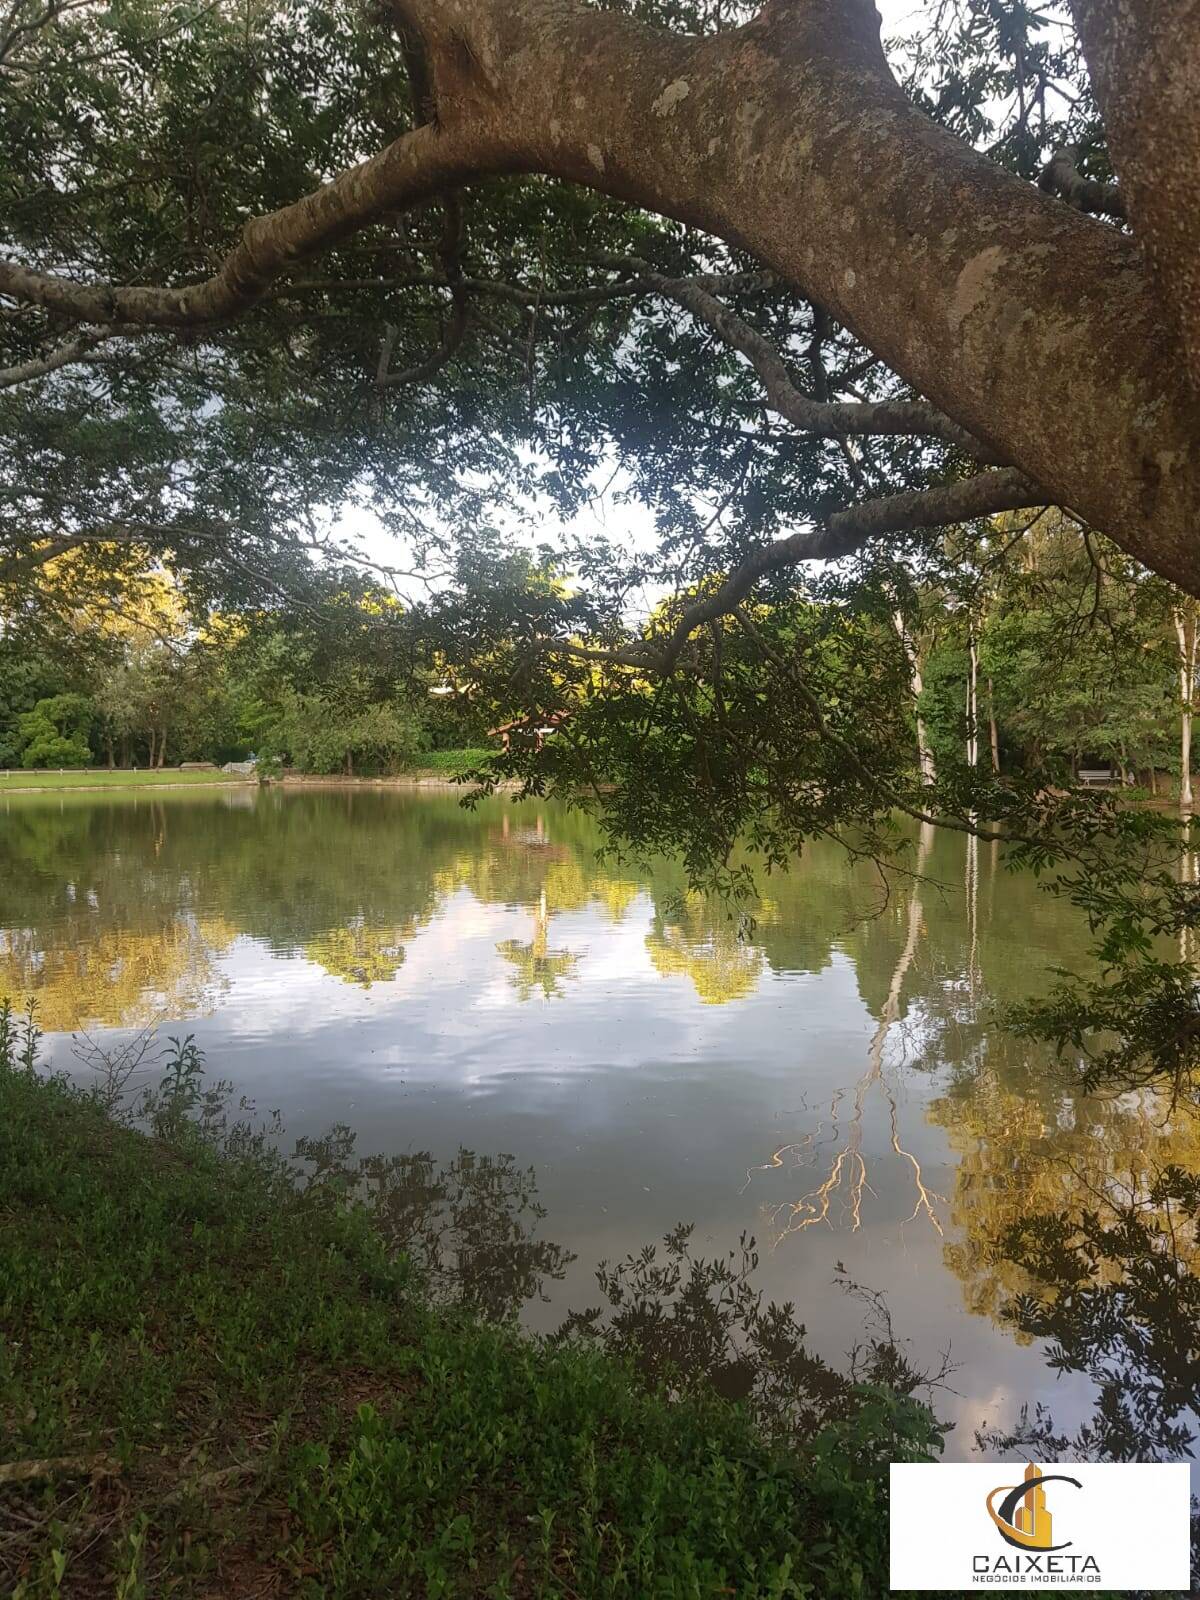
(829, 420)
(419, 165)
(842, 534)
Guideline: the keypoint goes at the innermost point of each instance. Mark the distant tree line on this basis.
(145, 684)
(1062, 656)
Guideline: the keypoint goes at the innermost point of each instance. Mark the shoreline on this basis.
(420, 779)
(108, 788)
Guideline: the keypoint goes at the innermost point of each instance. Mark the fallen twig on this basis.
(57, 1467)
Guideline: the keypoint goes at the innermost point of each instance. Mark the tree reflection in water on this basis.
(698, 1325)
(469, 1228)
(1071, 1220)
(841, 1193)
(1112, 1289)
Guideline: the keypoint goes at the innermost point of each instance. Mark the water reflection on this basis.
(839, 1197)
(470, 1228)
(114, 910)
(537, 969)
(394, 963)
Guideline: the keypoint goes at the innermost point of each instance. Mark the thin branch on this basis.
(456, 330)
(450, 250)
(1061, 176)
(78, 349)
(843, 533)
(828, 420)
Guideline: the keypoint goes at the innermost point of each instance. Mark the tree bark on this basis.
(1144, 61)
(993, 730)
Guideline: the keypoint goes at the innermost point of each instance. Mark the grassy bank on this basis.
(213, 1382)
(441, 764)
(15, 781)
(448, 763)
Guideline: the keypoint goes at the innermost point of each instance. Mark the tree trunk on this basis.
(925, 756)
(993, 729)
(108, 750)
(162, 747)
(153, 747)
(973, 704)
(1187, 633)
(1143, 57)
(349, 764)
(1185, 757)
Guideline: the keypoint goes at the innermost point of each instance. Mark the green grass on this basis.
(445, 763)
(14, 779)
(213, 1382)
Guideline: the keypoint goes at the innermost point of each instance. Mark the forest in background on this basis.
(1052, 653)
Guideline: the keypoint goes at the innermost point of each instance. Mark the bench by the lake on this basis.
(1098, 775)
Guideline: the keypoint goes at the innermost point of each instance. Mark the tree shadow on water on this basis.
(470, 1227)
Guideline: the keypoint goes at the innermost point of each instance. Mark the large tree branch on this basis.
(1037, 329)
(522, 294)
(427, 162)
(842, 534)
(1061, 176)
(1034, 327)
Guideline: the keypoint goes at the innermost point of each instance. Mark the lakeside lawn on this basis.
(215, 1382)
(14, 780)
(448, 763)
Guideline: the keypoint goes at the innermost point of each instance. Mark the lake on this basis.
(828, 1077)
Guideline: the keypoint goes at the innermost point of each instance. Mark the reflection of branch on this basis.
(848, 1172)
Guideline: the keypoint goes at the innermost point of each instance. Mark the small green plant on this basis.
(451, 762)
(20, 1037)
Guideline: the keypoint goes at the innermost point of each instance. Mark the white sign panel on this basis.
(1036, 1526)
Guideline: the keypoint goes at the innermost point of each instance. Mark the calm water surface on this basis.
(438, 978)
